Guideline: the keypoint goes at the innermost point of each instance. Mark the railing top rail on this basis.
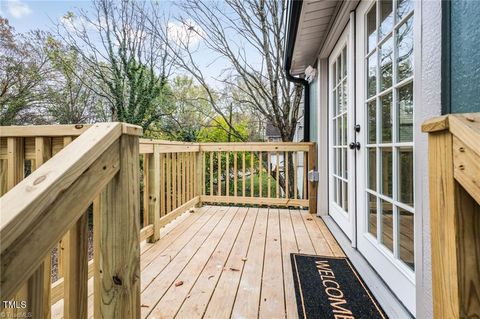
(58, 130)
(465, 126)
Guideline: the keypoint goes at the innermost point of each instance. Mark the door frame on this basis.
(379, 257)
(346, 221)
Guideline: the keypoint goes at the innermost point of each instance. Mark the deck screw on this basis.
(78, 126)
(461, 167)
(461, 149)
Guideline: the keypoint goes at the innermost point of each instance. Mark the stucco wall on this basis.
(465, 56)
(427, 105)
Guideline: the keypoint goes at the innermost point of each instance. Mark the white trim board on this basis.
(390, 304)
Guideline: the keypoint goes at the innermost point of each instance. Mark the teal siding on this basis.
(464, 56)
(313, 110)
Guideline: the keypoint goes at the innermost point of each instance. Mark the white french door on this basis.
(384, 102)
(341, 119)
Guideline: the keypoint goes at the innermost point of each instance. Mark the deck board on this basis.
(234, 262)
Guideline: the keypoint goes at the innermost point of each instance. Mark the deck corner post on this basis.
(312, 185)
(117, 272)
(443, 225)
(199, 177)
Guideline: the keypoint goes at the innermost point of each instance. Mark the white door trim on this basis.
(395, 274)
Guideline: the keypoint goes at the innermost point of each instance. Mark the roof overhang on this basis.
(309, 22)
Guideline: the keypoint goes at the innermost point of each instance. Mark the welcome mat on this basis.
(329, 287)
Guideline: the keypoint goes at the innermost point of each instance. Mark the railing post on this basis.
(312, 186)
(199, 176)
(117, 275)
(154, 193)
(454, 217)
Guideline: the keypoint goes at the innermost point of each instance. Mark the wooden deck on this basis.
(221, 262)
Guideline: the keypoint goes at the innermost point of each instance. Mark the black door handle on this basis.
(354, 145)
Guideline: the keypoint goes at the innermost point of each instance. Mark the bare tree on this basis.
(249, 34)
(129, 66)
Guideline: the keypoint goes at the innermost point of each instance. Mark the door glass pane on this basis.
(345, 197)
(403, 8)
(386, 60)
(372, 122)
(386, 107)
(406, 249)
(339, 100)
(344, 61)
(387, 223)
(372, 75)
(340, 192)
(345, 152)
(405, 175)
(372, 27)
(372, 168)
(344, 96)
(334, 75)
(386, 171)
(405, 50)
(405, 113)
(372, 214)
(386, 18)
(345, 128)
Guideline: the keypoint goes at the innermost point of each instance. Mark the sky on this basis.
(27, 15)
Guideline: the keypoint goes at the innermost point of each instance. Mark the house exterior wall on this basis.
(313, 109)
(464, 56)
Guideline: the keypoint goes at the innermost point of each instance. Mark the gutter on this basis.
(294, 11)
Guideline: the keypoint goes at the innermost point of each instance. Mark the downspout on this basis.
(295, 8)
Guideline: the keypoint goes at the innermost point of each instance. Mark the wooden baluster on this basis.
(63, 244)
(235, 174)
(168, 173)
(184, 177)
(162, 185)
(227, 174)
(200, 175)
(76, 270)
(117, 288)
(179, 180)
(153, 191)
(295, 177)
(243, 174)
(277, 174)
(260, 168)
(219, 173)
(285, 174)
(211, 173)
(174, 181)
(252, 187)
(40, 283)
(146, 188)
(189, 176)
(269, 176)
(204, 172)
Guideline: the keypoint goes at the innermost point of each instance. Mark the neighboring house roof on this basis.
(272, 131)
(311, 26)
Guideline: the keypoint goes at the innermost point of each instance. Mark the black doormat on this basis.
(329, 287)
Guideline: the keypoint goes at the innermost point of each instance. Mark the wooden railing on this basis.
(51, 175)
(51, 203)
(258, 173)
(454, 160)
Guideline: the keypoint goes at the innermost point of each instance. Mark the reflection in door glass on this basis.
(406, 249)
(387, 224)
(405, 175)
(405, 113)
(372, 214)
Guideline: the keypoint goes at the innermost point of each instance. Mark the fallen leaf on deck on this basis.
(309, 218)
(210, 277)
(234, 269)
(144, 306)
(178, 283)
